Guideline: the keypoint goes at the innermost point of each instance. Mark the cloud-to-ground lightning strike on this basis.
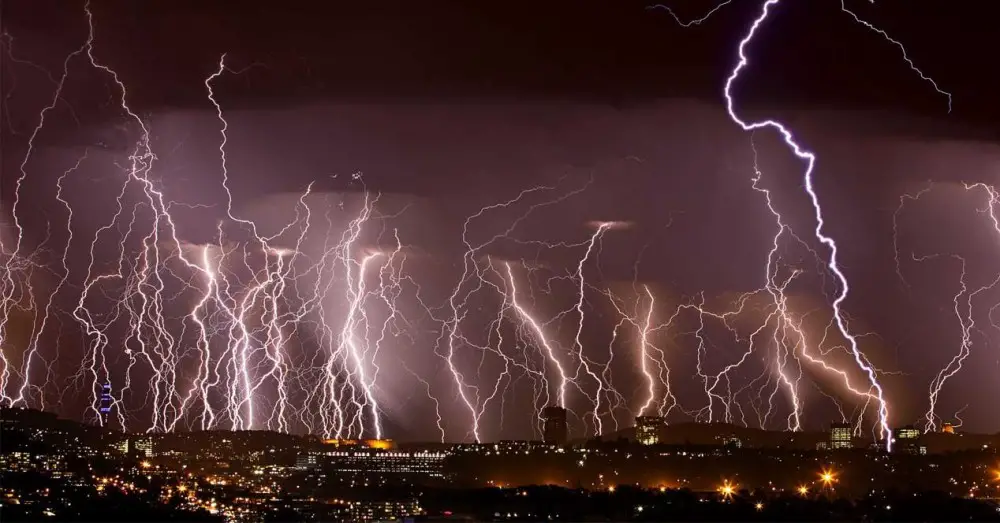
(962, 301)
(247, 299)
(809, 158)
(294, 326)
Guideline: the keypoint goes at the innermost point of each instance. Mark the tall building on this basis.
(908, 432)
(841, 436)
(907, 440)
(143, 447)
(555, 428)
(648, 429)
(106, 400)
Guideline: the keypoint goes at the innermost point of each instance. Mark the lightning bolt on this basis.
(810, 159)
(962, 304)
(232, 358)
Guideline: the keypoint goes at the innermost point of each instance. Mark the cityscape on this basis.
(56, 468)
(579, 261)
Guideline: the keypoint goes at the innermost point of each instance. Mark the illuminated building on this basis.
(306, 461)
(143, 447)
(379, 510)
(506, 448)
(555, 428)
(120, 446)
(366, 461)
(648, 428)
(106, 400)
(384, 444)
(907, 440)
(732, 441)
(841, 436)
(906, 433)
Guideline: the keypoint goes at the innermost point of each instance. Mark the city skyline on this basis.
(213, 251)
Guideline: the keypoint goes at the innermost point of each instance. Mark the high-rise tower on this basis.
(106, 401)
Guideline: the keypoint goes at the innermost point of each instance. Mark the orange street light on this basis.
(827, 477)
(727, 489)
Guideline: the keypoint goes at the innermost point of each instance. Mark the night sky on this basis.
(446, 107)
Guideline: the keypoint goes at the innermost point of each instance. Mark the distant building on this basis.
(106, 400)
(120, 446)
(648, 429)
(907, 440)
(383, 444)
(731, 441)
(143, 447)
(908, 432)
(506, 448)
(555, 429)
(374, 462)
(841, 436)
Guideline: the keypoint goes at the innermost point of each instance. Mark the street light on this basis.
(827, 477)
(727, 490)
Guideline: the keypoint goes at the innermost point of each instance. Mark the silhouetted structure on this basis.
(555, 428)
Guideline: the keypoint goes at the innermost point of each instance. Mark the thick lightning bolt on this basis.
(810, 159)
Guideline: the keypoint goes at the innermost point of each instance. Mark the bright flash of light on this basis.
(727, 490)
(232, 357)
(828, 477)
(228, 362)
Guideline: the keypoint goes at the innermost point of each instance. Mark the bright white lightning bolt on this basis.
(539, 332)
(644, 357)
(452, 338)
(810, 158)
(577, 342)
(246, 303)
(243, 303)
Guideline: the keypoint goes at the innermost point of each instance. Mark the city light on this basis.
(727, 490)
(827, 477)
(162, 356)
